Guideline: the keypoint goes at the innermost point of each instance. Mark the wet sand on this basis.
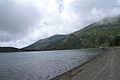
(105, 66)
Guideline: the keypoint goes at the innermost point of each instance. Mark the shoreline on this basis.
(73, 72)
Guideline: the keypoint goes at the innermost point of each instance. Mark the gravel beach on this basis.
(105, 66)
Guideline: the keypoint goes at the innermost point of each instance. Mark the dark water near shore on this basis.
(42, 65)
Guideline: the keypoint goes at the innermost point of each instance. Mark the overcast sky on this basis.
(23, 22)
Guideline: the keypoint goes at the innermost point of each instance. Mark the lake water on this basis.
(42, 65)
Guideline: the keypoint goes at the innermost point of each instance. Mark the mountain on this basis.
(8, 49)
(47, 43)
(104, 33)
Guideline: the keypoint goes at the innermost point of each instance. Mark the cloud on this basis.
(23, 22)
(17, 19)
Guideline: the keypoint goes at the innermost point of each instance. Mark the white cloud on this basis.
(31, 20)
(95, 15)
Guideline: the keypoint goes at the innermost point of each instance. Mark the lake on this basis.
(42, 65)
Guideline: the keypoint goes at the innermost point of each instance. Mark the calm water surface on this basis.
(42, 65)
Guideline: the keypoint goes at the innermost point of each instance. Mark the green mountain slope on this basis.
(47, 43)
(105, 33)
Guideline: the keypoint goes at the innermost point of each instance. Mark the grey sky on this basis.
(23, 22)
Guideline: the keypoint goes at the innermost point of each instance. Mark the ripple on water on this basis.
(41, 65)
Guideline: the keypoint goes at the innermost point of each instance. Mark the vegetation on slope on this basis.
(105, 33)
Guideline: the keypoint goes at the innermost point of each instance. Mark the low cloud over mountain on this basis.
(25, 21)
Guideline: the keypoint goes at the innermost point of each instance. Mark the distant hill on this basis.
(47, 43)
(8, 49)
(104, 33)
